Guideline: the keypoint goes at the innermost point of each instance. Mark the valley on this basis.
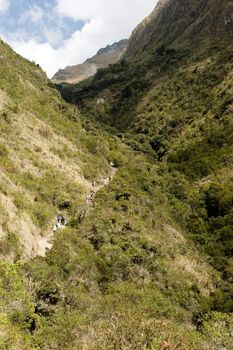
(138, 158)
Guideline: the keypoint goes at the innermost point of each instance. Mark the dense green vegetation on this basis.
(191, 141)
(176, 110)
(47, 158)
(151, 263)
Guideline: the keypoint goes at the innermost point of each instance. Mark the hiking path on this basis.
(45, 243)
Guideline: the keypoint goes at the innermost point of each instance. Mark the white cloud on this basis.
(106, 21)
(4, 5)
(53, 36)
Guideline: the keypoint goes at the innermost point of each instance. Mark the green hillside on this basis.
(47, 158)
(147, 263)
(175, 107)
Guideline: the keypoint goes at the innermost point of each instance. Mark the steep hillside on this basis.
(177, 24)
(104, 57)
(46, 161)
(121, 262)
(145, 261)
(176, 107)
(173, 103)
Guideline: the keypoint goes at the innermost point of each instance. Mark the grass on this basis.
(140, 268)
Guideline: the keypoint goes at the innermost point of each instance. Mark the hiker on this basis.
(57, 227)
(61, 223)
(59, 218)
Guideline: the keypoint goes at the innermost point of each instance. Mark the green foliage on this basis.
(16, 309)
(218, 328)
(177, 111)
(10, 245)
(3, 151)
(133, 271)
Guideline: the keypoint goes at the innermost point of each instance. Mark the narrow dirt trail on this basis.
(44, 243)
(96, 187)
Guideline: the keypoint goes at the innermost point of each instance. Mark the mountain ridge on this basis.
(102, 59)
(172, 23)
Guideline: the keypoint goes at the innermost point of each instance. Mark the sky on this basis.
(60, 33)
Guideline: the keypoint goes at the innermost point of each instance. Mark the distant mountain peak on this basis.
(103, 58)
(115, 46)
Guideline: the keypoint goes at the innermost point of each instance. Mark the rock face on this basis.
(176, 23)
(104, 57)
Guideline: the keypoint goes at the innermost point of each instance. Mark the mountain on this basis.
(104, 57)
(142, 171)
(175, 23)
(44, 158)
(170, 99)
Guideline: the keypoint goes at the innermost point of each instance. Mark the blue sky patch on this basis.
(51, 33)
(37, 19)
